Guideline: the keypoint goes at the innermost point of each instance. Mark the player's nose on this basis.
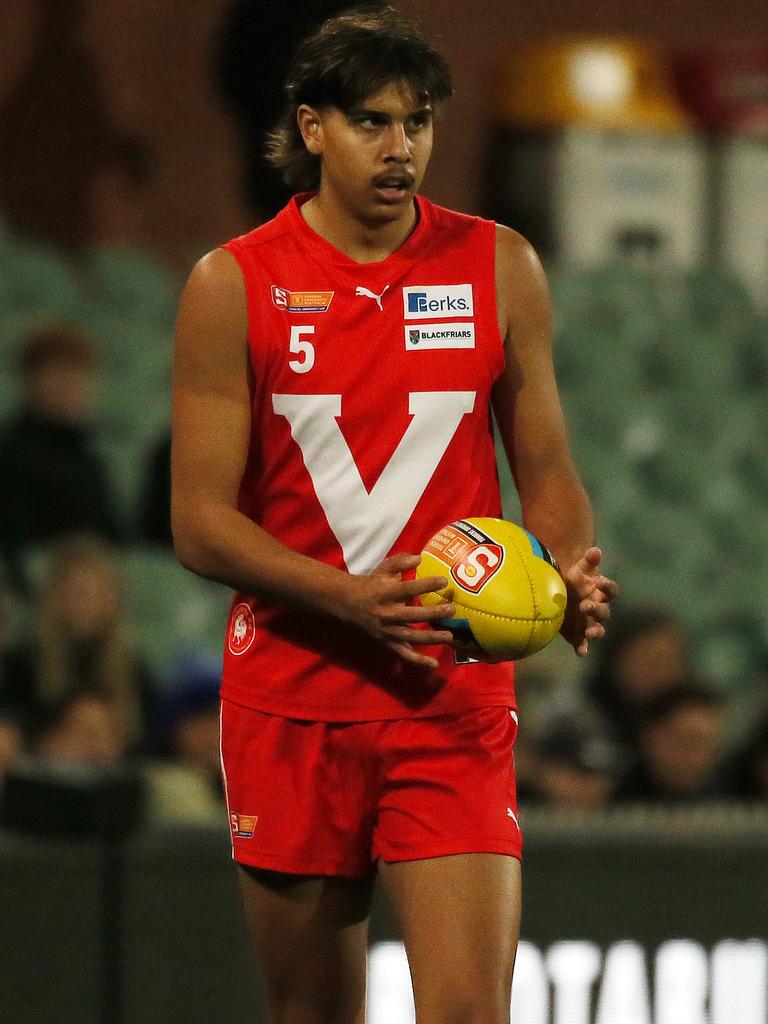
(398, 145)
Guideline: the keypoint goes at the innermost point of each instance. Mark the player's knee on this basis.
(465, 1009)
(291, 1011)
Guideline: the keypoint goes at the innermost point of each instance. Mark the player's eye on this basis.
(419, 121)
(370, 122)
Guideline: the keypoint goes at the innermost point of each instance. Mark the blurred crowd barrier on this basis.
(151, 931)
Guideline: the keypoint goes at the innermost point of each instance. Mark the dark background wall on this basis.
(172, 945)
(154, 57)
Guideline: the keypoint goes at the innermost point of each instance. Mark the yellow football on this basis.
(509, 595)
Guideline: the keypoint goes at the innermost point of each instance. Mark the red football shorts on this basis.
(330, 798)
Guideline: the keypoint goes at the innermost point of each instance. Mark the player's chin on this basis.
(391, 204)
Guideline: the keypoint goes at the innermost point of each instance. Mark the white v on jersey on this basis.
(367, 523)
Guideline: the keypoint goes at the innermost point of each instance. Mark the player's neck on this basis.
(361, 241)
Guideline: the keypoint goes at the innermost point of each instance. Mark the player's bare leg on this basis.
(309, 937)
(460, 919)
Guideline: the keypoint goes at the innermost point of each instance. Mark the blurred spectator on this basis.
(747, 776)
(255, 49)
(644, 653)
(79, 645)
(51, 480)
(11, 735)
(679, 743)
(186, 784)
(77, 779)
(155, 525)
(82, 728)
(11, 743)
(573, 767)
(57, 136)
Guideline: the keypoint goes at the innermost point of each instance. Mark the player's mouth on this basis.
(394, 187)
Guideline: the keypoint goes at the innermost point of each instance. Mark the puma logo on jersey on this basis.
(367, 523)
(360, 290)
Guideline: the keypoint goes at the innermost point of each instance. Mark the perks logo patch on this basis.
(301, 302)
(425, 302)
(243, 825)
(242, 629)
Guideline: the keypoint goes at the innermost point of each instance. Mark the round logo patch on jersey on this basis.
(242, 629)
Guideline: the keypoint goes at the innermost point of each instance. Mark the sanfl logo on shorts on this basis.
(243, 825)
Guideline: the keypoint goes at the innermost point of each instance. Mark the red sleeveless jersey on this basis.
(371, 430)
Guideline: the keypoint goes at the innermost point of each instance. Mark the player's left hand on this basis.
(589, 601)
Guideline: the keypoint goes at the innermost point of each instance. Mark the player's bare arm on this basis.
(554, 503)
(211, 434)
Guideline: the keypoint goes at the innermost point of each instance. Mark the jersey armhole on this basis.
(251, 300)
(490, 227)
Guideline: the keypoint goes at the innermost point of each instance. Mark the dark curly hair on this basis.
(348, 58)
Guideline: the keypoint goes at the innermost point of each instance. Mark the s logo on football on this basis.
(242, 629)
(477, 566)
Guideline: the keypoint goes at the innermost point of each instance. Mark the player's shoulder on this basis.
(218, 277)
(522, 292)
(216, 273)
(518, 268)
(514, 250)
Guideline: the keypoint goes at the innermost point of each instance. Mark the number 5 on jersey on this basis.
(304, 350)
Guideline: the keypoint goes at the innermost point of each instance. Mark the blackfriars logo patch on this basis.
(301, 302)
(430, 336)
(242, 629)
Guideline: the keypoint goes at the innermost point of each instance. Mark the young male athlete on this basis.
(334, 377)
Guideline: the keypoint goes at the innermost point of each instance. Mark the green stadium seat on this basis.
(571, 295)
(753, 357)
(605, 364)
(703, 361)
(7, 394)
(678, 473)
(661, 536)
(691, 415)
(605, 297)
(34, 278)
(125, 467)
(133, 284)
(718, 302)
(132, 416)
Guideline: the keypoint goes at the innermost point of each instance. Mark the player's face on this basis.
(373, 158)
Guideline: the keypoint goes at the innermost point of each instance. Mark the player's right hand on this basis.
(380, 604)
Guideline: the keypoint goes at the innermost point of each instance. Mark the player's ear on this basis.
(311, 128)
